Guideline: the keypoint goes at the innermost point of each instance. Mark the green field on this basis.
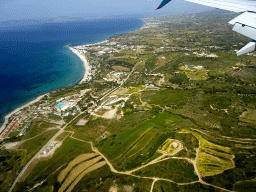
(101, 180)
(62, 136)
(30, 147)
(177, 170)
(68, 151)
(166, 97)
(196, 187)
(248, 186)
(249, 116)
(132, 141)
(213, 159)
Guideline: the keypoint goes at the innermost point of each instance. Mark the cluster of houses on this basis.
(61, 107)
(115, 77)
(16, 121)
(107, 47)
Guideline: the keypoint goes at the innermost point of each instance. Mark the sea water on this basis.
(34, 59)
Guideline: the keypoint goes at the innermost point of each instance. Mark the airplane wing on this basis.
(244, 24)
(164, 2)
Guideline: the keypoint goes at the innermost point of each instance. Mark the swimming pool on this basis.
(59, 105)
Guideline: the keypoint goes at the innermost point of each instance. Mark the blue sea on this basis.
(34, 59)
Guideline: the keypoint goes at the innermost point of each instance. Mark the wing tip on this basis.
(158, 8)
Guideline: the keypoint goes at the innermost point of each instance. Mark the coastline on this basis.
(86, 77)
(87, 67)
(6, 117)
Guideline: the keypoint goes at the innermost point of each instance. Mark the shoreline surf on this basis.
(86, 65)
(85, 78)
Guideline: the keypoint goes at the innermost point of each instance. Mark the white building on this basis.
(59, 100)
(174, 145)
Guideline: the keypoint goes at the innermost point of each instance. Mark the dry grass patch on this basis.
(77, 171)
(249, 116)
(121, 68)
(76, 161)
(92, 168)
(120, 91)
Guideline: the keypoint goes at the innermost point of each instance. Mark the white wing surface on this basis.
(244, 24)
(234, 5)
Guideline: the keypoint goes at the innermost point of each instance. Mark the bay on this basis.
(34, 59)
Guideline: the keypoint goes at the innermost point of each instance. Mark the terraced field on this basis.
(76, 170)
(73, 163)
(212, 159)
(249, 116)
(88, 170)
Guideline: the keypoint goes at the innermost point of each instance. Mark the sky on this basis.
(42, 9)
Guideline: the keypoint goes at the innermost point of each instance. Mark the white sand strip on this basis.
(87, 67)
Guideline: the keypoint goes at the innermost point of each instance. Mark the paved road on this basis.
(39, 152)
(61, 130)
(157, 160)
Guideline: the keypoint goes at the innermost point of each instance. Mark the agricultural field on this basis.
(196, 187)
(182, 121)
(175, 98)
(194, 72)
(249, 116)
(212, 159)
(49, 170)
(180, 171)
(135, 90)
(121, 68)
(129, 143)
(73, 163)
(103, 179)
(76, 172)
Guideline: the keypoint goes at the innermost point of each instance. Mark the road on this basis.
(40, 151)
(157, 160)
(61, 130)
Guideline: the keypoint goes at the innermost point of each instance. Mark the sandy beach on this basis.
(87, 68)
(87, 76)
(18, 109)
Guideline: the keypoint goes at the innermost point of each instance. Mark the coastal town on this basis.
(158, 108)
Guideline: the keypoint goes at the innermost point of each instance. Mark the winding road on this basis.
(130, 173)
